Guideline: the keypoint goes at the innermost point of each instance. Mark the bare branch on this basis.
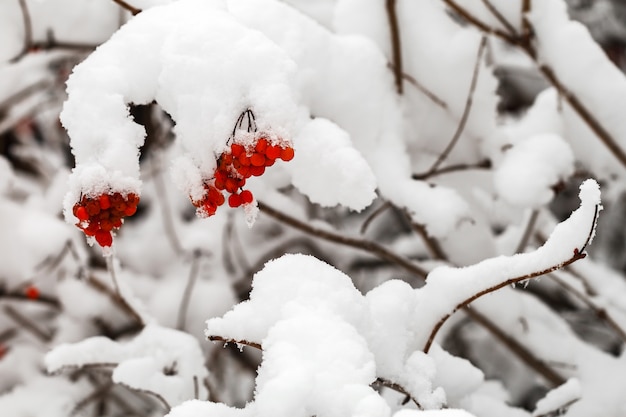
(528, 231)
(421, 88)
(238, 342)
(115, 298)
(133, 10)
(466, 110)
(27, 324)
(153, 394)
(577, 255)
(386, 205)
(396, 47)
(191, 281)
(496, 13)
(399, 388)
(362, 244)
(486, 164)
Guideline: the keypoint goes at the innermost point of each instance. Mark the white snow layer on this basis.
(158, 360)
(559, 397)
(305, 314)
(204, 66)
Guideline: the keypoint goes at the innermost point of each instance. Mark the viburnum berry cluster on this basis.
(99, 216)
(248, 156)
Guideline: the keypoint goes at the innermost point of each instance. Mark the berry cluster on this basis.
(98, 216)
(242, 161)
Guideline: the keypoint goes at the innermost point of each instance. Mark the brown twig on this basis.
(7, 335)
(27, 324)
(362, 244)
(399, 388)
(153, 394)
(191, 281)
(600, 312)
(526, 28)
(237, 342)
(133, 10)
(466, 111)
(396, 47)
(421, 88)
(432, 244)
(115, 298)
(486, 164)
(386, 205)
(496, 13)
(528, 231)
(96, 394)
(28, 30)
(579, 253)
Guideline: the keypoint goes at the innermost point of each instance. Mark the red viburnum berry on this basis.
(257, 159)
(246, 197)
(261, 146)
(237, 149)
(104, 238)
(234, 200)
(3, 350)
(105, 201)
(286, 154)
(244, 160)
(93, 208)
(272, 152)
(31, 292)
(81, 213)
(257, 171)
(130, 210)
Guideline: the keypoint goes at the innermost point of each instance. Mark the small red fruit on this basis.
(246, 197)
(272, 152)
(286, 154)
(237, 149)
(130, 210)
(257, 159)
(261, 145)
(81, 213)
(235, 200)
(257, 171)
(105, 201)
(104, 238)
(31, 292)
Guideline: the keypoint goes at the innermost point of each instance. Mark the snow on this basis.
(531, 168)
(141, 363)
(559, 397)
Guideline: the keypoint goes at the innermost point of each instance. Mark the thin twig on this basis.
(526, 28)
(421, 88)
(386, 205)
(485, 164)
(133, 10)
(496, 13)
(191, 281)
(578, 254)
(362, 244)
(166, 212)
(399, 388)
(27, 324)
(600, 312)
(237, 342)
(196, 388)
(153, 394)
(396, 47)
(28, 29)
(111, 269)
(7, 335)
(97, 394)
(466, 111)
(559, 410)
(528, 231)
(115, 297)
(432, 245)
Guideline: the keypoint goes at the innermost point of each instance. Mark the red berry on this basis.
(31, 292)
(261, 145)
(235, 200)
(231, 185)
(257, 159)
(130, 210)
(244, 171)
(269, 162)
(237, 149)
(244, 160)
(106, 225)
(105, 201)
(220, 184)
(93, 208)
(104, 238)
(246, 197)
(91, 229)
(272, 152)
(81, 213)
(257, 171)
(3, 350)
(132, 199)
(286, 154)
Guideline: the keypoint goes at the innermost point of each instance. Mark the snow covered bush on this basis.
(265, 208)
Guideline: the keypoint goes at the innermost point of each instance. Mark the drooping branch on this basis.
(578, 253)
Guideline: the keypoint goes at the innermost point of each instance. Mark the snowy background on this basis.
(331, 208)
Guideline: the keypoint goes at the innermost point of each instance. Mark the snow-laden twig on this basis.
(396, 47)
(577, 254)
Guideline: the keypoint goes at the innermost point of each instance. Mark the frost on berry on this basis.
(248, 154)
(99, 216)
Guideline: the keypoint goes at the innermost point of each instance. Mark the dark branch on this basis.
(396, 47)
